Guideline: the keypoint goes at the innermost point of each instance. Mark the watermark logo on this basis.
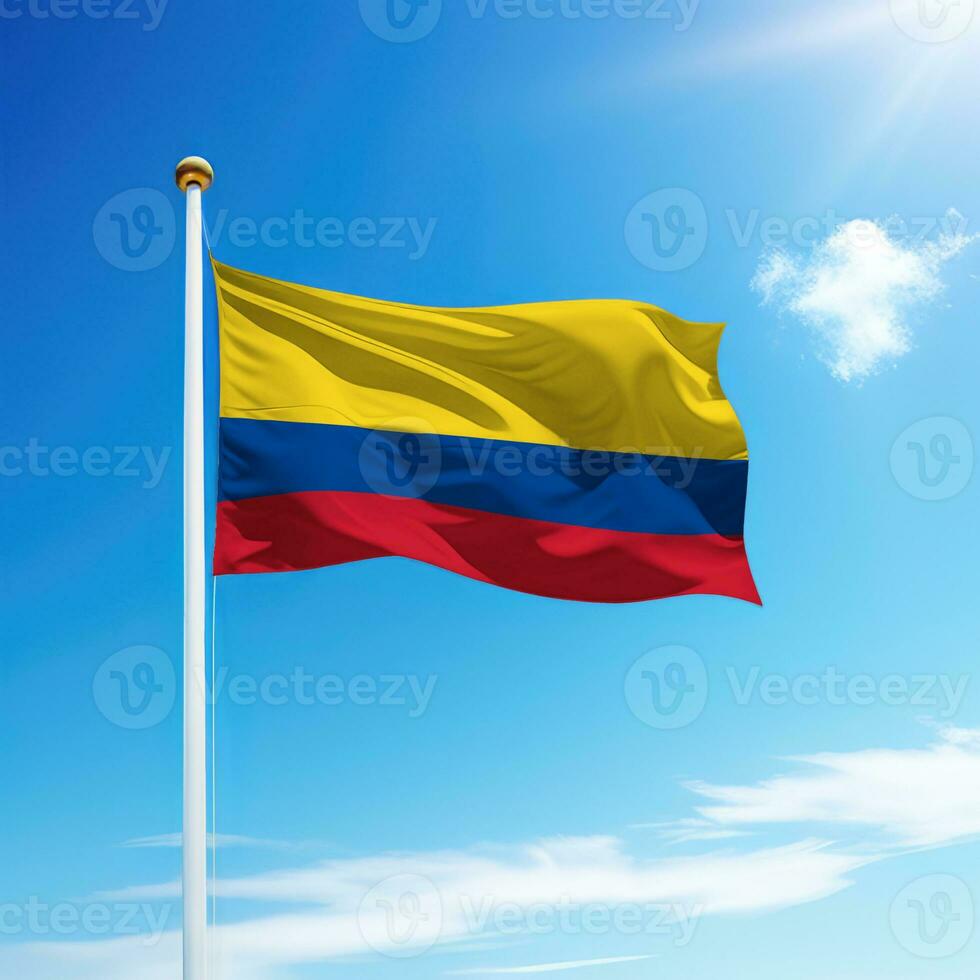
(401, 464)
(933, 459)
(136, 230)
(409, 20)
(933, 21)
(667, 230)
(676, 922)
(34, 459)
(410, 692)
(932, 917)
(401, 916)
(148, 12)
(401, 21)
(773, 231)
(37, 918)
(136, 688)
(412, 234)
(667, 688)
(942, 693)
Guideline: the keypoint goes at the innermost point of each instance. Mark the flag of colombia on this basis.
(580, 450)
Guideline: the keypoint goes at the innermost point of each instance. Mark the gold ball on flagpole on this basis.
(194, 170)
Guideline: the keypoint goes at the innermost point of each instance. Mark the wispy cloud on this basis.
(856, 290)
(914, 797)
(546, 967)
(474, 891)
(110, 959)
(892, 799)
(583, 871)
(690, 829)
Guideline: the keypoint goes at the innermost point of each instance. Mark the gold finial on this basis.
(194, 170)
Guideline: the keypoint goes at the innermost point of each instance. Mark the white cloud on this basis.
(112, 959)
(915, 797)
(856, 289)
(897, 798)
(961, 736)
(473, 886)
(546, 967)
(584, 871)
(689, 829)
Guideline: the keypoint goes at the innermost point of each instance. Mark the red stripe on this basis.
(310, 530)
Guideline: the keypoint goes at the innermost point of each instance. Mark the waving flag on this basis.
(581, 450)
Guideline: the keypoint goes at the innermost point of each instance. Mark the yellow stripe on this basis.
(591, 374)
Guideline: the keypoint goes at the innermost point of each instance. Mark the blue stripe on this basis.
(589, 488)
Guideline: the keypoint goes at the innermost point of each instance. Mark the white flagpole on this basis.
(194, 176)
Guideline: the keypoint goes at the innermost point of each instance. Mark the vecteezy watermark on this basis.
(37, 918)
(125, 462)
(136, 231)
(667, 688)
(678, 13)
(136, 688)
(933, 21)
(410, 461)
(402, 916)
(674, 921)
(414, 234)
(753, 228)
(837, 688)
(148, 13)
(404, 21)
(406, 914)
(667, 230)
(301, 687)
(401, 21)
(933, 458)
(405, 464)
(933, 917)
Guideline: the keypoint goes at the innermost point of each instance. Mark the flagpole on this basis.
(194, 175)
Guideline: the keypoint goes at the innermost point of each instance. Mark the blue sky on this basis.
(489, 766)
